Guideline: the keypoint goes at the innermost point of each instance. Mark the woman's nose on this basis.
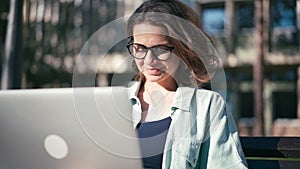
(149, 58)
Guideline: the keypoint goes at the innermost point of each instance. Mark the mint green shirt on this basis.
(202, 133)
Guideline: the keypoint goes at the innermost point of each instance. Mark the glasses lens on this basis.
(137, 51)
(162, 52)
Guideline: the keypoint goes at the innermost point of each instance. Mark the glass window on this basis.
(285, 108)
(246, 104)
(283, 13)
(284, 35)
(285, 75)
(245, 15)
(244, 76)
(213, 20)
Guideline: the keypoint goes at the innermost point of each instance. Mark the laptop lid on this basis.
(82, 128)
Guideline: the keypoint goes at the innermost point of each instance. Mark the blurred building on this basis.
(232, 22)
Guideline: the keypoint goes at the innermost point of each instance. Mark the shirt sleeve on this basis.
(221, 149)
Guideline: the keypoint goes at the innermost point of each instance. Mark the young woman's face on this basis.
(154, 66)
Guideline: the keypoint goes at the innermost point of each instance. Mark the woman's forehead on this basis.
(149, 35)
(145, 28)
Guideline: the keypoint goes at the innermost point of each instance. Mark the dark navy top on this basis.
(152, 138)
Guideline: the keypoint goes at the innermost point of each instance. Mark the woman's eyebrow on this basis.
(159, 44)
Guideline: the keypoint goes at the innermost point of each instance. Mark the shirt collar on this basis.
(183, 98)
(133, 90)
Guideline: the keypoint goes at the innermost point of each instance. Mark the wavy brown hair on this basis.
(181, 24)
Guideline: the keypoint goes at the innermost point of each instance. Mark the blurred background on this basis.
(258, 41)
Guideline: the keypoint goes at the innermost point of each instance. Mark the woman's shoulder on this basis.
(201, 92)
(209, 96)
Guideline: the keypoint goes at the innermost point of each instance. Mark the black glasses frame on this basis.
(153, 50)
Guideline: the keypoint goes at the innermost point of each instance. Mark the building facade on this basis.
(259, 39)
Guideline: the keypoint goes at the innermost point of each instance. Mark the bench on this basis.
(272, 152)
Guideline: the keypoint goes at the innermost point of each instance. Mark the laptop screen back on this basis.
(82, 128)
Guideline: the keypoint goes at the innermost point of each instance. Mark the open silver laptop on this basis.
(82, 128)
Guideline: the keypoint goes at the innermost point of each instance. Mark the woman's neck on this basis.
(156, 100)
(163, 87)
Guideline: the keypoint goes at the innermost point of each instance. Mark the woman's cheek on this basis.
(139, 64)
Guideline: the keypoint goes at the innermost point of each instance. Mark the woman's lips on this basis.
(153, 70)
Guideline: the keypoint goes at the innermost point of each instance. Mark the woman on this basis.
(180, 125)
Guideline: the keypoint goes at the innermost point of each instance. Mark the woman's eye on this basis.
(138, 48)
(161, 49)
(165, 48)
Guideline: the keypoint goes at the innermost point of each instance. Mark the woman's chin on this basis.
(158, 79)
(154, 78)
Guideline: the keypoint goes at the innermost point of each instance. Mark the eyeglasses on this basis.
(160, 52)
